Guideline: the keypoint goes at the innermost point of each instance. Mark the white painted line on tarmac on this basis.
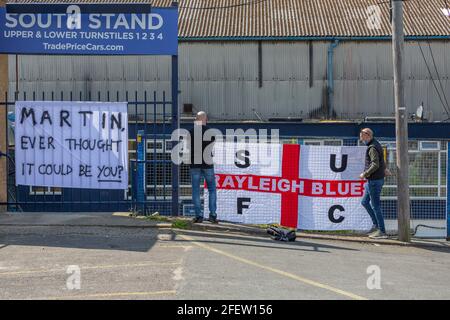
(112, 294)
(134, 265)
(277, 271)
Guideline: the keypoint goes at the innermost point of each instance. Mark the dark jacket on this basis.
(374, 165)
(205, 164)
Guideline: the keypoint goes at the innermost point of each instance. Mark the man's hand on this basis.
(362, 176)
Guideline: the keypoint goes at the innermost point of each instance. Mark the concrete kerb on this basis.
(230, 227)
(259, 231)
(104, 220)
(128, 220)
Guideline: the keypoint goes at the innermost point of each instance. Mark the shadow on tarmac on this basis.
(298, 245)
(98, 238)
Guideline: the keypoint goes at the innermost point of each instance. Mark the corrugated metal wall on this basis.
(222, 78)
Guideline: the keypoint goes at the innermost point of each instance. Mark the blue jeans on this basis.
(208, 174)
(372, 202)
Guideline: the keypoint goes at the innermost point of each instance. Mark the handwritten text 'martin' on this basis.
(65, 118)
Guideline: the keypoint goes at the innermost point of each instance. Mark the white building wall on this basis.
(222, 78)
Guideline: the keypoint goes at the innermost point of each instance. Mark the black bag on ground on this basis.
(281, 234)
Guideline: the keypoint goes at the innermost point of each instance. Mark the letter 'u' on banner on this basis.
(72, 144)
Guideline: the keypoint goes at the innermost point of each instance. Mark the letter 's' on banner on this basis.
(72, 144)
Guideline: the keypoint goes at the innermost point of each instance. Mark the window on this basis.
(45, 191)
(427, 170)
(326, 142)
(311, 143)
(430, 145)
(151, 145)
(392, 145)
(289, 141)
(332, 142)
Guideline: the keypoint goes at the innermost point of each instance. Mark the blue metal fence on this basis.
(154, 186)
(147, 115)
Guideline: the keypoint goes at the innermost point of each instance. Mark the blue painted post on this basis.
(140, 175)
(448, 190)
(330, 81)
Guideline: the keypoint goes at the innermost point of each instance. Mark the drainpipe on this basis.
(330, 85)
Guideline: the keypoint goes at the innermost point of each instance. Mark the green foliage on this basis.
(181, 224)
(158, 218)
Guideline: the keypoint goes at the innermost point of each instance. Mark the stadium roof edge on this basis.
(294, 19)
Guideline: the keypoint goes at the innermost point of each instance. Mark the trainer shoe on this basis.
(372, 230)
(197, 220)
(213, 219)
(378, 235)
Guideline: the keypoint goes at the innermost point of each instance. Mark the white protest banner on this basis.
(303, 187)
(72, 144)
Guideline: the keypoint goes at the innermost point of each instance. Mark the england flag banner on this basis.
(297, 186)
(71, 144)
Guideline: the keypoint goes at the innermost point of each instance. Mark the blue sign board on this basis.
(90, 32)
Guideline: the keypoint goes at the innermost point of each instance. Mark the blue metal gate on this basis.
(151, 192)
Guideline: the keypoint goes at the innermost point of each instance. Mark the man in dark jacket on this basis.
(202, 165)
(374, 172)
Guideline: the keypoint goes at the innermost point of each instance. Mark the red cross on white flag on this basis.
(303, 187)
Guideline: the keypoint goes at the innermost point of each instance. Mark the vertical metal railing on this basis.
(69, 199)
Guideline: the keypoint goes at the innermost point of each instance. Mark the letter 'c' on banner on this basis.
(331, 214)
